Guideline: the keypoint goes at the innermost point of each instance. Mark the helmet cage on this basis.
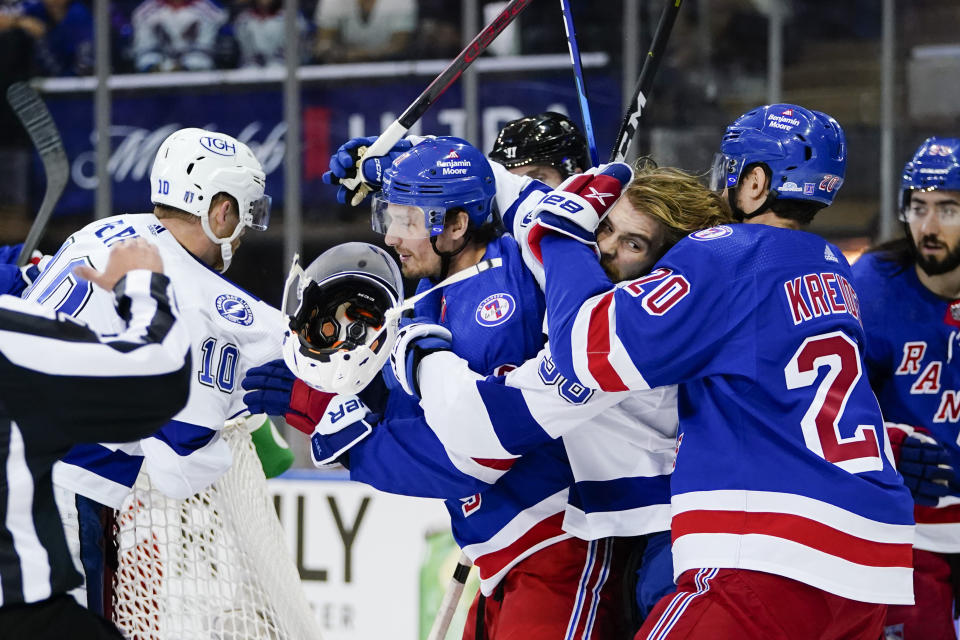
(339, 336)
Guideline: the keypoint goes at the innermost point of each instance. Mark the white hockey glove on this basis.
(575, 208)
(414, 342)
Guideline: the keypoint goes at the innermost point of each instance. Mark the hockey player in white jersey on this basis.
(207, 189)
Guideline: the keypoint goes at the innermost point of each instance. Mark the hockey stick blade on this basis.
(36, 119)
(490, 263)
(631, 119)
(451, 597)
(399, 127)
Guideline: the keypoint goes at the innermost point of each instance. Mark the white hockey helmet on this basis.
(194, 165)
(338, 336)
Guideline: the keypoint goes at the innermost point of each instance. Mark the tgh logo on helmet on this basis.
(218, 146)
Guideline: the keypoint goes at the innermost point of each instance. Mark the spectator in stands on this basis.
(174, 35)
(63, 34)
(362, 30)
(259, 30)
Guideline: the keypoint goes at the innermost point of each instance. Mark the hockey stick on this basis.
(399, 127)
(578, 81)
(451, 597)
(651, 63)
(40, 126)
(490, 263)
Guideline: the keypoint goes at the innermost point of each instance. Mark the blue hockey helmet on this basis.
(805, 151)
(934, 166)
(434, 176)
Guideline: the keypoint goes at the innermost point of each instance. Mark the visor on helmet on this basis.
(260, 213)
(725, 172)
(406, 221)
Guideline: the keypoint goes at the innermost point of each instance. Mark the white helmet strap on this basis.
(226, 244)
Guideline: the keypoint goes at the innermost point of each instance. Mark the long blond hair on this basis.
(675, 198)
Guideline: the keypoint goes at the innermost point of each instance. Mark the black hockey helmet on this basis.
(548, 138)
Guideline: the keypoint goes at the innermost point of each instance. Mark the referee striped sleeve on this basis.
(110, 388)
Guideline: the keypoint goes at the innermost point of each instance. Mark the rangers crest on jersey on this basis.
(234, 309)
(495, 309)
(720, 231)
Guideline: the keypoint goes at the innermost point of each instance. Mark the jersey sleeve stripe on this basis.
(598, 346)
(184, 438)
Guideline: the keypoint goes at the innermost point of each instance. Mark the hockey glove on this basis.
(13, 279)
(340, 422)
(576, 207)
(343, 164)
(414, 342)
(268, 389)
(925, 467)
(334, 423)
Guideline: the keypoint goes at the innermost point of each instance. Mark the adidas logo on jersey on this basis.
(828, 255)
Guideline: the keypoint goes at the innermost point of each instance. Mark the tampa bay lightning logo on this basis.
(234, 309)
(720, 231)
(495, 309)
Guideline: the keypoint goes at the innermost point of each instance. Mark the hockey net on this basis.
(214, 566)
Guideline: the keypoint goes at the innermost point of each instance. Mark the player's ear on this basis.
(757, 182)
(458, 226)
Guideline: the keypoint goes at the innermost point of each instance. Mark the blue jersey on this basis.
(496, 319)
(909, 357)
(783, 464)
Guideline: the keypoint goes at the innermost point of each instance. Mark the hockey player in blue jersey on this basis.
(436, 203)
(789, 518)
(620, 444)
(909, 352)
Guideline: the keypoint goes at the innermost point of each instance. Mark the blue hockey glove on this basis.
(925, 467)
(333, 422)
(340, 423)
(575, 208)
(268, 388)
(13, 279)
(343, 164)
(414, 342)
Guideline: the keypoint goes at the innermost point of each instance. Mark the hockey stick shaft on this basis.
(631, 119)
(578, 81)
(451, 597)
(36, 119)
(399, 127)
(463, 274)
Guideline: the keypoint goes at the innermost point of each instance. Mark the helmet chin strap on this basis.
(446, 256)
(226, 244)
(742, 215)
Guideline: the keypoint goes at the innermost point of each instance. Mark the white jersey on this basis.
(621, 445)
(230, 331)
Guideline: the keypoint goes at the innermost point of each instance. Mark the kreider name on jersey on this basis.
(819, 294)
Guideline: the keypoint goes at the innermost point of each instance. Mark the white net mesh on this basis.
(212, 567)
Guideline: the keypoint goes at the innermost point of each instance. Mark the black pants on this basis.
(58, 618)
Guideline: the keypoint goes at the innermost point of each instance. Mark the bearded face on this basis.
(933, 219)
